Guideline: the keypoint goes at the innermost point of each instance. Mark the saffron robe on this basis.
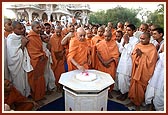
(6, 34)
(96, 39)
(16, 99)
(113, 31)
(108, 50)
(142, 70)
(79, 51)
(38, 60)
(58, 56)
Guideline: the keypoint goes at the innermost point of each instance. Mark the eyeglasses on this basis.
(82, 35)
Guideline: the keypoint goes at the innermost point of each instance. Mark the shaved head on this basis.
(80, 29)
(81, 34)
(34, 23)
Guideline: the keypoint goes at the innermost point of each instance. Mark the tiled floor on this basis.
(55, 95)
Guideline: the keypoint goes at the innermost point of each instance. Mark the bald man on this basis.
(58, 55)
(99, 35)
(108, 54)
(113, 31)
(144, 58)
(78, 56)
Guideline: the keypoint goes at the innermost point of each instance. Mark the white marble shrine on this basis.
(91, 95)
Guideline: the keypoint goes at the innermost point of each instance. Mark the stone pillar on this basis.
(58, 16)
(48, 16)
(40, 15)
(53, 17)
(29, 11)
(16, 14)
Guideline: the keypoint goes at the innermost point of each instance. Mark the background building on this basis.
(52, 12)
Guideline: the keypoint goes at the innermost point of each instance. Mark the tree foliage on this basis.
(157, 17)
(115, 15)
(120, 14)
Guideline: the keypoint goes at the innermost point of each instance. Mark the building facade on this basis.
(52, 12)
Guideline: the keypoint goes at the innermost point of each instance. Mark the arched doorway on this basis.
(51, 18)
(35, 16)
(44, 17)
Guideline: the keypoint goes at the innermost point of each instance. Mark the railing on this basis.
(25, 5)
(78, 6)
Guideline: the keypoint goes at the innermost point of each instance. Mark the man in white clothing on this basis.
(157, 35)
(124, 68)
(18, 59)
(154, 95)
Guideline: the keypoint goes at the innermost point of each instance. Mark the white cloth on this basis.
(15, 59)
(137, 34)
(125, 62)
(26, 61)
(48, 73)
(155, 88)
(124, 68)
(154, 42)
(158, 100)
(161, 44)
(116, 83)
(123, 83)
(6, 70)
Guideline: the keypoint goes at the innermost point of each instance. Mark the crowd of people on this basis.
(35, 60)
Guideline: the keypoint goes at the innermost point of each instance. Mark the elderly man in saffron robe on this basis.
(78, 56)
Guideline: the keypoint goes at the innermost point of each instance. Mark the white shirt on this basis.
(125, 63)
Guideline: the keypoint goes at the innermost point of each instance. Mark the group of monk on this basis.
(34, 61)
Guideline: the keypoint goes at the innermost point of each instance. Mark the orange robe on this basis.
(79, 51)
(67, 47)
(108, 50)
(142, 70)
(16, 99)
(58, 56)
(90, 44)
(38, 60)
(89, 40)
(96, 39)
(6, 34)
(64, 32)
(113, 31)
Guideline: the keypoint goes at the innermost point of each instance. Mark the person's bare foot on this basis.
(124, 97)
(119, 97)
(129, 104)
(150, 107)
(49, 92)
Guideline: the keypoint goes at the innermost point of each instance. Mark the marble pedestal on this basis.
(86, 96)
